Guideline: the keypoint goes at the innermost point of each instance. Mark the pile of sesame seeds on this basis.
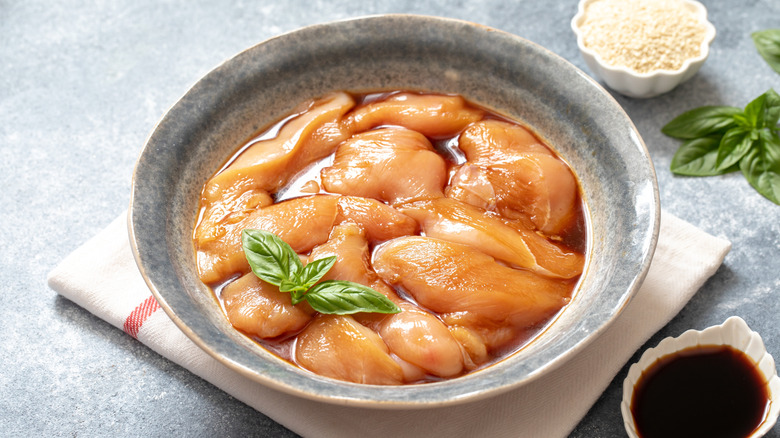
(643, 35)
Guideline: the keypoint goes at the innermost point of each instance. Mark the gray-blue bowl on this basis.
(492, 68)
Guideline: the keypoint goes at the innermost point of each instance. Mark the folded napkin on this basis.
(102, 277)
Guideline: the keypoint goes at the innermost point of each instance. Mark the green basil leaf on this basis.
(733, 146)
(768, 44)
(702, 121)
(291, 286)
(270, 257)
(754, 114)
(761, 167)
(314, 271)
(771, 109)
(698, 157)
(771, 142)
(345, 297)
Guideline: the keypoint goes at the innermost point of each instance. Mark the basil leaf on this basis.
(291, 286)
(761, 167)
(733, 146)
(753, 114)
(768, 44)
(275, 262)
(314, 271)
(702, 121)
(720, 139)
(698, 157)
(771, 109)
(345, 297)
(270, 257)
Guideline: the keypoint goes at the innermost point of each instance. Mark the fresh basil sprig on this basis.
(722, 139)
(768, 44)
(275, 262)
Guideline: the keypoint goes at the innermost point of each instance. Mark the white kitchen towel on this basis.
(102, 277)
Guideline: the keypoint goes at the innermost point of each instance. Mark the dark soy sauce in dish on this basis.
(706, 391)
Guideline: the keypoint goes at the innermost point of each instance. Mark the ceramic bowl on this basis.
(498, 70)
(733, 332)
(643, 85)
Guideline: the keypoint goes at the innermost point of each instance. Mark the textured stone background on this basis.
(82, 84)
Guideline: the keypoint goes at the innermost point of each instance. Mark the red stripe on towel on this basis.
(137, 317)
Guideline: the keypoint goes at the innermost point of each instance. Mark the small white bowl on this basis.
(643, 85)
(733, 332)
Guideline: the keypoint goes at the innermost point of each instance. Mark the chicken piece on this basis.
(269, 164)
(266, 165)
(470, 184)
(431, 115)
(348, 243)
(415, 336)
(379, 221)
(448, 277)
(412, 373)
(458, 222)
(391, 165)
(473, 345)
(301, 222)
(491, 335)
(421, 339)
(526, 177)
(217, 218)
(339, 347)
(260, 309)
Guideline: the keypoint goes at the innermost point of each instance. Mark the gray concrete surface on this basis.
(83, 83)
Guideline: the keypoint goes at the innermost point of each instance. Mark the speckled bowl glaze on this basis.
(501, 71)
(733, 332)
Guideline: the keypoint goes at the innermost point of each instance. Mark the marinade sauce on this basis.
(705, 391)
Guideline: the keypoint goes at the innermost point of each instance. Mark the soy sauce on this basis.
(707, 391)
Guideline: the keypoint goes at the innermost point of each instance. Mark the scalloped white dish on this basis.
(643, 85)
(735, 333)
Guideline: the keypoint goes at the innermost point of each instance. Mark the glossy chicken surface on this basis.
(339, 347)
(257, 308)
(448, 277)
(459, 222)
(379, 221)
(468, 223)
(265, 166)
(269, 164)
(415, 336)
(301, 222)
(526, 178)
(392, 165)
(430, 115)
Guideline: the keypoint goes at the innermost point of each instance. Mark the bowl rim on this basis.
(631, 289)
(688, 63)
